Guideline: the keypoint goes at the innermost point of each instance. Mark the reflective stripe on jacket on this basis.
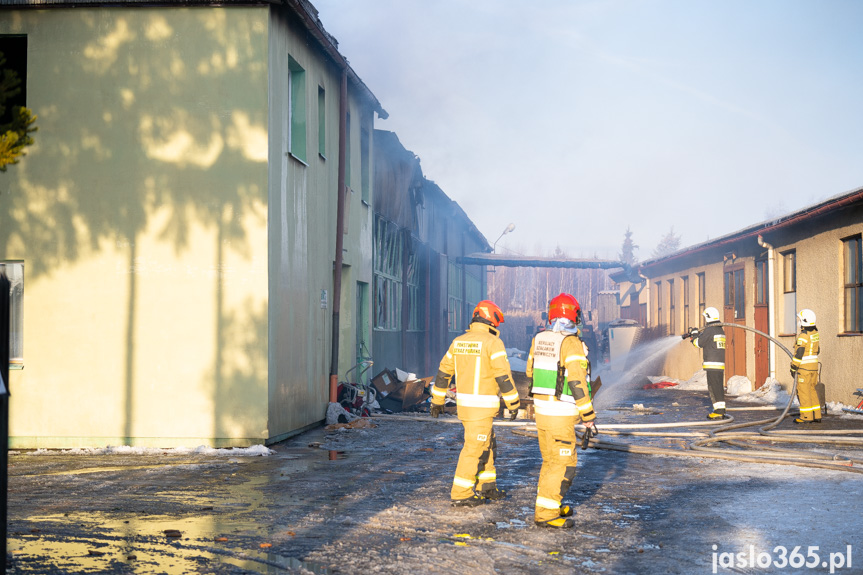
(806, 352)
(478, 361)
(712, 340)
(550, 348)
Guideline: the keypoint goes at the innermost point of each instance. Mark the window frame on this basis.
(297, 110)
(15, 274)
(852, 284)
(322, 122)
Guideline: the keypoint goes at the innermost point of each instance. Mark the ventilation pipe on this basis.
(771, 303)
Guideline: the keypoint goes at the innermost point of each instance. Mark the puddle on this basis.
(82, 556)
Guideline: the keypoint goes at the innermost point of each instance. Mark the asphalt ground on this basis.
(376, 500)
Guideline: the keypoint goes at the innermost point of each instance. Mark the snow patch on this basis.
(255, 450)
(738, 385)
(771, 393)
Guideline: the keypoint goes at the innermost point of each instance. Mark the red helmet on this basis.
(564, 305)
(488, 312)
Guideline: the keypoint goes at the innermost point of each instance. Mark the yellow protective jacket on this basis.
(806, 351)
(478, 361)
(573, 359)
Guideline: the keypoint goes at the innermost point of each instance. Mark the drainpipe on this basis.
(340, 235)
(771, 303)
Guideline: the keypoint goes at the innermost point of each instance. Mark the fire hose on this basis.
(726, 431)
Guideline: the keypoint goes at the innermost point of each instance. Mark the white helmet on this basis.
(806, 317)
(711, 314)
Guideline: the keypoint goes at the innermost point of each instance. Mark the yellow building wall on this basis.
(141, 216)
(820, 281)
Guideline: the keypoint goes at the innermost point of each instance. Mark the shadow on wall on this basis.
(140, 114)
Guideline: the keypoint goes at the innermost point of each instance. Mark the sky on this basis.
(577, 119)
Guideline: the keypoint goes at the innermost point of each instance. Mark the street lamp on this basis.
(508, 229)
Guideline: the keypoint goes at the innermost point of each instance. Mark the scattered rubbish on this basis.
(659, 385)
(94, 553)
(221, 539)
(358, 423)
(266, 545)
(404, 538)
(172, 533)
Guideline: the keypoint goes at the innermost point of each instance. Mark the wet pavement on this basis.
(377, 501)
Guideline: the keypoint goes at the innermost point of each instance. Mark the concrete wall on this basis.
(141, 216)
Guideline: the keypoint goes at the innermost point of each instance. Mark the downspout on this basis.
(340, 235)
(771, 303)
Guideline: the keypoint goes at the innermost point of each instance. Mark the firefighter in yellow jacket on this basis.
(804, 367)
(478, 361)
(561, 395)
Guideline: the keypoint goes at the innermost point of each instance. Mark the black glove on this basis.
(590, 430)
(436, 410)
(793, 372)
(513, 412)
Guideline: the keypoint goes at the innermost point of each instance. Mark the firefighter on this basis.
(558, 366)
(478, 360)
(804, 367)
(712, 340)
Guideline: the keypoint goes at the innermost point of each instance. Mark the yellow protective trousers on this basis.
(810, 405)
(476, 463)
(557, 442)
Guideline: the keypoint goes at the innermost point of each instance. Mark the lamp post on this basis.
(508, 229)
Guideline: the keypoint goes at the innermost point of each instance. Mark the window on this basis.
(472, 287)
(761, 294)
(789, 289)
(686, 317)
(297, 128)
(735, 293)
(15, 274)
(853, 256)
(322, 122)
(702, 299)
(14, 51)
(672, 316)
(388, 275)
(455, 303)
(660, 319)
(364, 164)
(416, 294)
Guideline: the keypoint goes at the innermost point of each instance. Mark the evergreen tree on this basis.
(627, 254)
(669, 244)
(15, 134)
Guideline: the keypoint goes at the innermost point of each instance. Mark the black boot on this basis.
(472, 501)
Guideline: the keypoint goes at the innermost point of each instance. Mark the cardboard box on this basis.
(386, 383)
